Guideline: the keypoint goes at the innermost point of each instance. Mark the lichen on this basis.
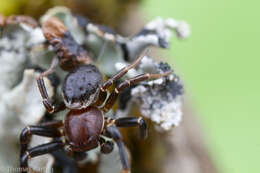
(159, 100)
(20, 101)
(23, 46)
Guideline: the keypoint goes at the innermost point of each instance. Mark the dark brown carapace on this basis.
(85, 94)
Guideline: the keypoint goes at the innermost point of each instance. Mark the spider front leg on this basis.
(127, 83)
(51, 108)
(118, 75)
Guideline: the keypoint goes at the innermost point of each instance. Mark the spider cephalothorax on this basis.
(85, 95)
(81, 86)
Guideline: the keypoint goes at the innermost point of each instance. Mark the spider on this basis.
(85, 95)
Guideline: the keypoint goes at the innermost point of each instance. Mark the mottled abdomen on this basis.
(83, 127)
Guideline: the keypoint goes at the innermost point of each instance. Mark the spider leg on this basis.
(101, 98)
(106, 146)
(121, 73)
(52, 124)
(68, 164)
(109, 82)
(114, 133)
(51, 108)
(37, 151)
(127, 83)
(133, 122)
(47, 129)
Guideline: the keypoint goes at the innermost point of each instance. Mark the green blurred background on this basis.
(219, 65)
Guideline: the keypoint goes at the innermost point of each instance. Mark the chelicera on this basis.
(85, 95)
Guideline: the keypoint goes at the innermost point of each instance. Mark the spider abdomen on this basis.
(83, 127)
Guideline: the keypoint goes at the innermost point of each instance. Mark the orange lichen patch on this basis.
(53, 28)
(2, 20)
(21, 19)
